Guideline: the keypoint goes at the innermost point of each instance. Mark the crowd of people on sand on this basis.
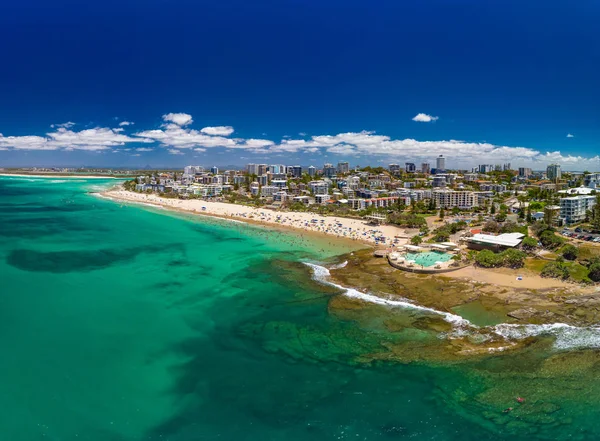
(352, 229)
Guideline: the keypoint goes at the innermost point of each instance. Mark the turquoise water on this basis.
(127, 323)
(428, 258)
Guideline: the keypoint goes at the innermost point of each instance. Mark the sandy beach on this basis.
(509, 278)
(353, 229)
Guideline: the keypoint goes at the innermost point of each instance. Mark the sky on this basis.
(227, 82)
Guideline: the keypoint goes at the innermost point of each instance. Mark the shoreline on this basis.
(21, 175)
(350, 230)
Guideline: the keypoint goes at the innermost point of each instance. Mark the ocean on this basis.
(130, 323)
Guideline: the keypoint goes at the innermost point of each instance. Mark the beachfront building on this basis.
(410, 167)
(425, 168)
(268, 191)
(574, 209)
(312, 170)
(451, 199)
(497, 243)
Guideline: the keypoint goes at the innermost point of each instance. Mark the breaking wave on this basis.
(565, 336)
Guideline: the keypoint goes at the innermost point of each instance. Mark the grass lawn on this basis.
(535, 265)
(578, 272)
(587, 251)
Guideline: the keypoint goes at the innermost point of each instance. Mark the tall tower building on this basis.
(440, 164)
(553, 172)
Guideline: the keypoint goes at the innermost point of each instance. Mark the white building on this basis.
(574, 209)
(440, 163)
(451, 199)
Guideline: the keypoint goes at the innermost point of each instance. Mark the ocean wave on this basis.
(565, 336)
(339, 265)
(322, 274)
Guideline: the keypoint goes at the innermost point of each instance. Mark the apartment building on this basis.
(574, 209)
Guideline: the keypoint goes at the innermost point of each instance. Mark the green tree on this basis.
(442, 213)
(416, 240)
(529, 243)
(594, 272)
(556, 270)
(595, 215)
(569, 252)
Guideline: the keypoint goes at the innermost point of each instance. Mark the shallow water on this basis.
(122, 322)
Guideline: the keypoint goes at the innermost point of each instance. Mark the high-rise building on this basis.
(193, 169)
(553, 172)
(312, 170)
(262, 169)
(328, 170)
(440, 164)
(214, 170)
(410, 167)
(297, 171)
(506, 166)
(425, 168)
(486, 168)
(343, 168)
(252, 169)
(524, 172)
(394, 168)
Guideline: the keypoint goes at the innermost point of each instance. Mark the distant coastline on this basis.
(58, 175)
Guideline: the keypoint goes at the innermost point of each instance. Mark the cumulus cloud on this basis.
(180, 119)
(219, 130)
(126, 123)
(99, 138)
(176, 136)
(423, 117)
(570, 135)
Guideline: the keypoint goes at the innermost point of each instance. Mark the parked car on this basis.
(578, 230)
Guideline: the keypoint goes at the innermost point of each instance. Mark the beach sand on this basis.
(343, 228)
(508, 277)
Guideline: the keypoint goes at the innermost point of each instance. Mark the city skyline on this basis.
(360, 88)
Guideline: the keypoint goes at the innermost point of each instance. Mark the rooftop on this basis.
(505, 240)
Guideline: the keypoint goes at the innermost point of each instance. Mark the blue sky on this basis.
(316, 81)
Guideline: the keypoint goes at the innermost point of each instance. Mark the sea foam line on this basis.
(566, 336)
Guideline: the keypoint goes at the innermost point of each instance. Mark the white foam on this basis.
(321, 274)
(566, 336)
(339, 265)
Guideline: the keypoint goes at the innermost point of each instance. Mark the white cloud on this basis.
(126, 123)
(181, 119)
(423, 117)
(301, 134)
(136, 154)
(66, 125)
(175, 137)
(569, 135)
(99, 138)
(219, 130)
